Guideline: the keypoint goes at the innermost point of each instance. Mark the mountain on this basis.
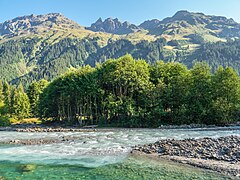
(185, 23)
(45, 46)
(150, 24)
(113, 26)
(35, 24)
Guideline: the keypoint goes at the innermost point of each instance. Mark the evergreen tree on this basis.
(21, 105)
(1, 92)
(34, 91)
(7, 97)
(1, 99)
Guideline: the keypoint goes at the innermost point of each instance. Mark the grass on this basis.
(139, 36)
(211, 38)
(26, 121)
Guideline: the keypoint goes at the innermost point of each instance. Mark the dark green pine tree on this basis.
(20, 105)
(33, 92)
(7, 97)
(1, 92)
(1, 99)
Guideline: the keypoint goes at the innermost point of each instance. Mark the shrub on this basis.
(4, 121)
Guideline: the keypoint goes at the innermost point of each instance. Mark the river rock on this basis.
(223, 148)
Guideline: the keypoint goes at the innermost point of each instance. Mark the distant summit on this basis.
(184, 22)
(113, 26)
(35, 23)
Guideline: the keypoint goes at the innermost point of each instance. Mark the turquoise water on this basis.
(130, 168)
(97, 155)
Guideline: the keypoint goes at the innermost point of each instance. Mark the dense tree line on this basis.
(132, 93)
(225, 54)
(15, 103)
(27, 60)
(53, 60)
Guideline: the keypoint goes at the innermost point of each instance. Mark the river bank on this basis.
(217, 154)
(60, 128)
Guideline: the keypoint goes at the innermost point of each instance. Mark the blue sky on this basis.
(86, 12)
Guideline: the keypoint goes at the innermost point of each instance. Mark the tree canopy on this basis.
(129, 92)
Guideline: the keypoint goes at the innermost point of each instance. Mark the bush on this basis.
(4, 121)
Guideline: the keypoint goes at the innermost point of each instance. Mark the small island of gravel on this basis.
(217, 154)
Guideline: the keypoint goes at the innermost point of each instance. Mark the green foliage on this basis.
(34, 91)
(1, 92)
(172, 83)
(123, 82)
(4, 121)
(71, 96)
(130, 93)
(7, 93)
(36, 59)
(226, 95)
(20, 103)
(200, 96)
(28, 60)
(14, 54)
(219, 54)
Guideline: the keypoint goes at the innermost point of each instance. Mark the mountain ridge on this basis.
(114, 25)
(29, 22)
(33, 47)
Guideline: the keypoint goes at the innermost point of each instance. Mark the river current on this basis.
(98, 155)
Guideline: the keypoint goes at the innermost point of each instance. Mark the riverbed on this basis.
(98, 155)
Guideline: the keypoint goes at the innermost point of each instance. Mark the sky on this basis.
(86, 12)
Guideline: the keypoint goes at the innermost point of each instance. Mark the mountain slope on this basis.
(185, 23)
(45, 46)
(35, 24)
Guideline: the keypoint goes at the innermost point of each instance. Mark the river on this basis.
(98, 155)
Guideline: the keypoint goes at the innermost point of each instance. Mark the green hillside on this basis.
(45, 46)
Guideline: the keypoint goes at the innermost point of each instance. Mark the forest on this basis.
(128, 92)
(25, 60)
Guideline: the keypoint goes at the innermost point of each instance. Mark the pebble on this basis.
(223, 148)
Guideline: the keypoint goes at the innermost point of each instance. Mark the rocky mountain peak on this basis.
(99, 21)
(182, 13)
(114, 26)
(188, 17)
(31, 23)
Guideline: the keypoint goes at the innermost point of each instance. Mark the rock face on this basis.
(150, 24)
(183, 19)
(217, 25)
(224, 148)
(113, 26)
(33, 23)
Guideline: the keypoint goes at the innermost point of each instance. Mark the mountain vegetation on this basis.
(126, 92)
(196, 80)
(39, 47)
